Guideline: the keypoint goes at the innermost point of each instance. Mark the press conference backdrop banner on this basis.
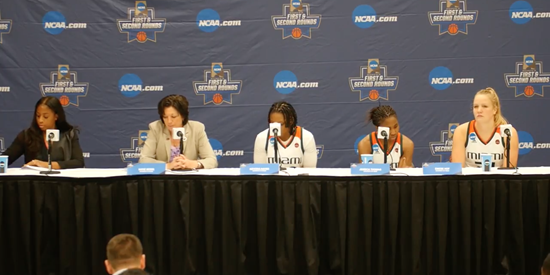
(110, 62)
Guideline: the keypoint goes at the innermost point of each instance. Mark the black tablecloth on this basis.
(279, 225)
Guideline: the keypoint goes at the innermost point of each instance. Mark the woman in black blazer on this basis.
(32, 142)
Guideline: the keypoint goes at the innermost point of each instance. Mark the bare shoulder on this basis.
(365, 142)
(407, 141)
(461, 130)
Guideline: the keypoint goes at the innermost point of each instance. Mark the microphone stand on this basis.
(275, 148)
(180, 135)
(386, 150)
(49, 172)
(507, 148)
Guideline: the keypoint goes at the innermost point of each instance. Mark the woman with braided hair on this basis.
(401, 147)
(296, 145)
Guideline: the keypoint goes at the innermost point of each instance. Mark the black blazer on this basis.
(66, 152)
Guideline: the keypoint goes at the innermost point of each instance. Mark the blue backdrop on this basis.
(112, 61)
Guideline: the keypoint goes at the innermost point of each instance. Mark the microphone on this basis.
(51, 135)
(274, 131)
(179, 133)
(383, 134)
(506, 133)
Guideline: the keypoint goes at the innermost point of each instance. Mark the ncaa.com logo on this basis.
(442, 78)
(208, 20)
(55, 23)
(521, 12)
(130, 85)
(285, 82)
(364, 16)
(218, 150)
(526, 143)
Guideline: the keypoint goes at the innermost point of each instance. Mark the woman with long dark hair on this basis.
(33, 144)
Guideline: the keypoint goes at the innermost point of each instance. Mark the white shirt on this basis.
(393, 155)
(475, 147)
(298, 151)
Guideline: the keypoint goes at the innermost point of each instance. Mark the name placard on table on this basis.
(370, 169)
(146, 169)
(259, 169)
(442, 168)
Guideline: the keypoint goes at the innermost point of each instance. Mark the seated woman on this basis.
(32, 142)
(482, 135)
(400, 154)
(160, 147)
(296, 145)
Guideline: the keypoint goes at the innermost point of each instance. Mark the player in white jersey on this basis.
(295, 147)
(482, 135)
(401, 148)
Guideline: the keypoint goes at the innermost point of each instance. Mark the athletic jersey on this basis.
(394, 155)
(475, 147)
(292, 153)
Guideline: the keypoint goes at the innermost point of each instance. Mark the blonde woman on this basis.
(482, 135)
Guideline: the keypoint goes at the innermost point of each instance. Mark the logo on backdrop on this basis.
(133, 154)
(296, 20)
(373, 82)
(285, 82)
(442, 78)
(208, 20)
(364, 16)
(130, 85)
(527, 143)
(5, 27)
(217, 86)
(444, 146)
(141, 24)
(2, 145)
(65, 86)
(529, 79)
(219, 152)
(55, 23)
(4, 89)
(320, 150)
(522, 12)
(452, 17)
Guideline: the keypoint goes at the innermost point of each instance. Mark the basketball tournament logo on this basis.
(364, 17)
(55, 23)
(217, 86)
(5, 27)
(296, 20)
(208, 20)
(521, 12)
(141, 24)
(529, 78)
(219, 152)
(65, 86)
(442, 78)
(132, 155)
(131, 85)
(452, 17)
(320, 150)
(444, 146)
(373, 82)
(286, 82)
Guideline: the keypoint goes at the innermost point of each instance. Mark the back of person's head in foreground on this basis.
(124, 251)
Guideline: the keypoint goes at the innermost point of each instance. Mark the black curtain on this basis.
(279, 225)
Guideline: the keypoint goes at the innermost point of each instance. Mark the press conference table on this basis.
(326, 222)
